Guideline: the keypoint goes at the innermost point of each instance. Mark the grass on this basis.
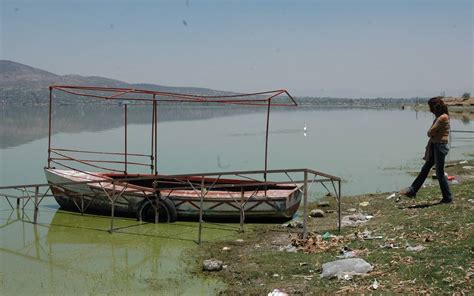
(256, 266)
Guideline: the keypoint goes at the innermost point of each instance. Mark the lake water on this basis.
(372, 150)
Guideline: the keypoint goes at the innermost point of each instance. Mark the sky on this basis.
(336, 48)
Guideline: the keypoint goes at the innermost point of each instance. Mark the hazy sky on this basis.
(323, 48)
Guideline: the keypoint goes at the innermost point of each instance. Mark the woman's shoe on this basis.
(445, 200)
(407, 192)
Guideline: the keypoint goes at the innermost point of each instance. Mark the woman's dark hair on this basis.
(437, 106)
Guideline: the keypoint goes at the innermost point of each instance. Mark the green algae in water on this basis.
(66, 253)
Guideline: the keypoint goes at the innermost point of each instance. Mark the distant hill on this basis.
(25, 85)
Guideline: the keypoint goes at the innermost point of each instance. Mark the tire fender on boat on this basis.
(165, 206)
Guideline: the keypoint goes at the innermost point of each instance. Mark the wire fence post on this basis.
(113, 209)
(305, 204)
(201, 202)
(339, 206)
(36, 205)
(242, 213)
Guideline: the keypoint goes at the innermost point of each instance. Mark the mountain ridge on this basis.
(27, 85)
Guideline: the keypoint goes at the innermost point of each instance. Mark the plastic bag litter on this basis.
(277, 292)
(350, 266)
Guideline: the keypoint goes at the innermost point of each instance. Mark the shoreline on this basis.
(265, 259)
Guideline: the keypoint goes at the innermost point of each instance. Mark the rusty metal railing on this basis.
(200, 183)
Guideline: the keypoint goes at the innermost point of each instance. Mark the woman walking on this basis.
(436, 151)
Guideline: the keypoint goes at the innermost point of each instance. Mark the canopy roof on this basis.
(132, 94)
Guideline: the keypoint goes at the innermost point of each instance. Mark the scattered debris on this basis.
(392, 195)
(329, 211)
(212, 265)
(288, 248)
(367, 235)
(277, 292)
(347, 254)
(306, 277)
(471, 200)
(375, 285)
(314, 243)
(389, 245)
(293, 224)
(415, 249)
(343, 267)
(355, 220)
(468, 167)
(323, 204)
(364, 204)
(326, 236)
(463, 162)
(316, 213)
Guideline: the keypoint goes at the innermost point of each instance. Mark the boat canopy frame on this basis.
(134, 96)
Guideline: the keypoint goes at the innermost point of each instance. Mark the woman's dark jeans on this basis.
(437, 157)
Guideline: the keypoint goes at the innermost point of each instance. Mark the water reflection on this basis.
(66, 253)
(20, 125)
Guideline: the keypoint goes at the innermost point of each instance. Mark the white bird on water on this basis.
(304, 128)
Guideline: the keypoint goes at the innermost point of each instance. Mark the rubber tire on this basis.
(165, 207)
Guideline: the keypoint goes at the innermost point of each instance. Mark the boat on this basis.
(154, 195)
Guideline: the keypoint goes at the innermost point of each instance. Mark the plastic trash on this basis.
(277, 292)
(350, 266)
(326, 236)
(392, 196)
(375, 285)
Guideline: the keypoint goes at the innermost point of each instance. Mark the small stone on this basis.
(352, 210)
(275, 275)
(364, 204)
(323, 204)
(239, 240)
(225, 249)
(212, 265)
(468, 167)
(316, 213)
(415, 249)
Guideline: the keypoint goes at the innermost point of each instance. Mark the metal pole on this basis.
(36, 205)
(49, 125)
(152, 132)
(305, 204)
(201, 202)
(266, 140)
(339, 206)
(156, 135)
(242, 217)
(113, 209)
(126, 139)
(82, 204)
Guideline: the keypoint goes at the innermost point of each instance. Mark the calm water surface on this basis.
(372, 150)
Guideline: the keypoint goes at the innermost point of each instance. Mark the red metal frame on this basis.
(263, 99)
